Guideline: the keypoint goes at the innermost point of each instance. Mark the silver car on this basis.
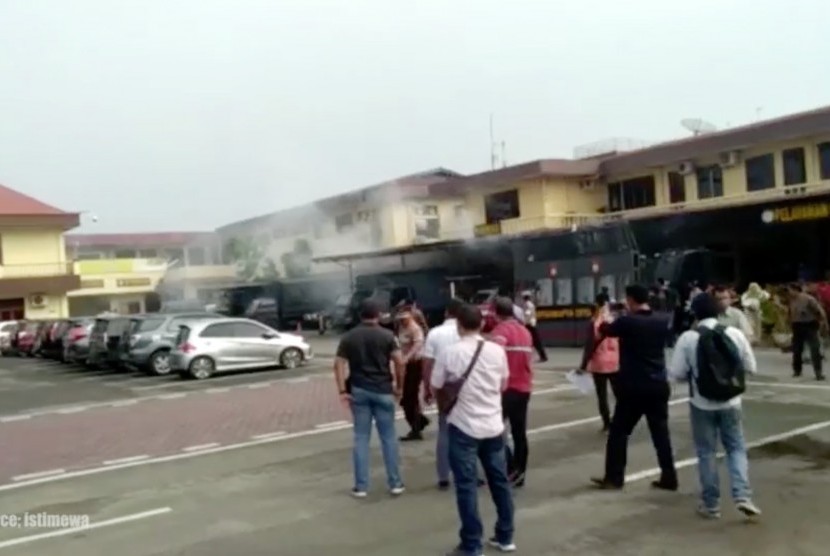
(208, 346)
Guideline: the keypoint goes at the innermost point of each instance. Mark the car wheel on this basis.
(201, 368)
(160, 363)
(291, 358)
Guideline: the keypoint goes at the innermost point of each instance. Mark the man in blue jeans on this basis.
(476, 431)
(711, 418)
(371, 391)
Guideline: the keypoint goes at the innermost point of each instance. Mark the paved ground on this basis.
(230, 490)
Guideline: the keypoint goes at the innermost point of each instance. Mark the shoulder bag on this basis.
(447, 396)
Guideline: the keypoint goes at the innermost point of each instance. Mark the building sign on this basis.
(565, 313)
(484, 230)
(132, 282)
(796, 213)
(92, 284)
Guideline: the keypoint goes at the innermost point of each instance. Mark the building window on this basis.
(501, 206)
(760, 172)
(148, 253)
(125, 254)
(709, 182)
(631, 194)
(615, 203)
(343, 221)
(795, 169)
(677, 188)
(427, 224)
(196, 256)
(824, 160)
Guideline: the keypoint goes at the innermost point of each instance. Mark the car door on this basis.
(252, 347)
(218, 342)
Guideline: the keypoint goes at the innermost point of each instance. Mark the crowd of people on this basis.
(482, 388)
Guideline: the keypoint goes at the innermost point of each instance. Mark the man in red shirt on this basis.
(516, 340)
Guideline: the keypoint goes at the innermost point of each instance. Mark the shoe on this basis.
(397, 491)
(708, 513)
(425, 422)
(671, 486)
(517, 480)
(747, 508)
(356, 493)
(796, 375)
(411, 437)
(603, 484)
(443, 485)
(494, 542)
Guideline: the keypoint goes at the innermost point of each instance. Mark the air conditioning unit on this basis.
(37, 300)
(587, 185)
(730, 158)
(686, 168)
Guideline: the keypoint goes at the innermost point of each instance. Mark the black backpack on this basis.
(720, 371)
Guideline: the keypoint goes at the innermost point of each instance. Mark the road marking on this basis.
(39, 475)
(333, 424)
(585, 421)
(200, 447)
(217, 390)
(171, 396)
(91, 526)
(269, 435)
(788, 385)
(297, 380)
(123, 403)
(13, 418)
(655, 472)
(125, 460)
(219, 449)
(259, 385)
(74, 409)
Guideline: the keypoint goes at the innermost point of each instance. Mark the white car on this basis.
(210, 346)
(7, 328)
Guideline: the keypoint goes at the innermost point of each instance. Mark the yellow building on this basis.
(35, 274)
(760, 163)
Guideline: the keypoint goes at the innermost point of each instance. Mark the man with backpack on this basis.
(714, 360)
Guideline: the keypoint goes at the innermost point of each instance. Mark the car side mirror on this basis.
(269, 335)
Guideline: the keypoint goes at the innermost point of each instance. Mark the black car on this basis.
(105, 339)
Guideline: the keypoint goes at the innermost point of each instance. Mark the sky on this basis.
(157, 115)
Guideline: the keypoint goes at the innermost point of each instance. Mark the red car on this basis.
(26, 336)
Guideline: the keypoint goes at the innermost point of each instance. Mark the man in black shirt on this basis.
(371, 391)
(643, 389)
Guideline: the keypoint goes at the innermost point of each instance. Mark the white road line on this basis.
(175, 396)
(75, 409)
(123, 403)
(125, 460)
(200, 447)
(259, 385)
(157, 386)
(332, 424)
(217, 390)
(788, 385)
(91, 526)
(39, 475)
(297, 380)
(12, 418)
(269, 435)
(649, 473)
(585, 421)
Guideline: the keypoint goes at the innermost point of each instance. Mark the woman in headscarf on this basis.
(751, 301)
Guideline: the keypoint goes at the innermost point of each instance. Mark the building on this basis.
(35, 274)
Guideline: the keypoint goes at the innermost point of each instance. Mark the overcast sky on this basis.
(189, 114)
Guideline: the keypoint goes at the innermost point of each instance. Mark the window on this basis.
(427, 224)
(544, 292)
(148, 253)
(608, 282)
(638, 193)
(823, 162)
(343, 221)
(677, 188)
(709, 182)
(615, 197)
(585, 291)
(247, 330)
(760, 172)
(144, 325)
(564, 291)
(196, 256)
(125, 254)
(795, 170)
(221, 330)
(501, 206)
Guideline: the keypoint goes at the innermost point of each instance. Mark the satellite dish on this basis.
(698, 126)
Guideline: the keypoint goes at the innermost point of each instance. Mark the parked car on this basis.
(150, 339)
(8, 329)
(76, 340)
(27, 336)
(210, 346)
(52, 344)
(105, 340)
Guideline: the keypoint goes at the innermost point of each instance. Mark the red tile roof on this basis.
(14, 203)
(137, 240)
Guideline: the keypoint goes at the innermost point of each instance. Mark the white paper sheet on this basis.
(583, 381)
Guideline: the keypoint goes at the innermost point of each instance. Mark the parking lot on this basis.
(260, 463)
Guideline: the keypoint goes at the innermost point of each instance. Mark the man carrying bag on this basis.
(468, 380)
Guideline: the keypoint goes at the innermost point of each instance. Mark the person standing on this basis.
(518, 345)
(729, 315)
(370, 390)
(601, 358)
(806, 318)
(752, 301)
(529, 310)
(720, 417)
(477, 371)
(411, 340)
(642, 388)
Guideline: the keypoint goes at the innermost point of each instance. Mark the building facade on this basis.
(35, 274)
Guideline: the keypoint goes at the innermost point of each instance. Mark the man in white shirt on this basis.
(476, 431)
(729, 315)
(711, 418)
(530, 323)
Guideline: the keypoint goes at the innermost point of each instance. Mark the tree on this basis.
(251, 263)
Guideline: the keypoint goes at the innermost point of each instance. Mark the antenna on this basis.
(503, 154)
(493, 156)
(698, 126)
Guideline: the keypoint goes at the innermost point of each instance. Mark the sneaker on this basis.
(397, 491)
(509, 547)
(708, 513)
(747, 508)
(411, 437)
(356, 493)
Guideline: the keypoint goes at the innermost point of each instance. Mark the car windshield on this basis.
(146, 324)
